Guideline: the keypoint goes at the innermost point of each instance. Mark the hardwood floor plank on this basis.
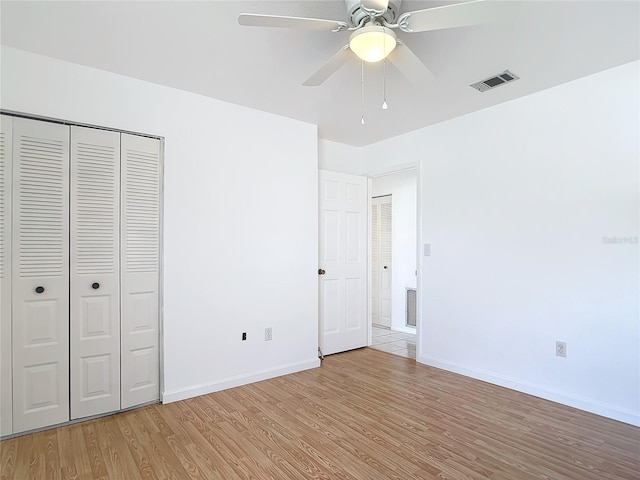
(363, 415)
(144, 468)
(37, 467)
(8, 458)
(115, 451)
(52, 459)
(72, 460)
(96, 460)
(190, 467)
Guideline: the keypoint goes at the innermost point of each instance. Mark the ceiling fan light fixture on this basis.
(372, 43)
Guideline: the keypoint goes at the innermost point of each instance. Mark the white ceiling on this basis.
(199, 47)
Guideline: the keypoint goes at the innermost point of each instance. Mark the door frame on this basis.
(418, 242)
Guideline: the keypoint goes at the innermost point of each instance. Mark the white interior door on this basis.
(95, 279)
(381, 267)
(343, 258)
(40, 283)
(140, 256)
(6, 395)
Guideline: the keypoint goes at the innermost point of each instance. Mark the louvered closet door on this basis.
(140, 254)
(95, 282)
(385, 263)
(6, 422)
(40, 258)
(381, 261)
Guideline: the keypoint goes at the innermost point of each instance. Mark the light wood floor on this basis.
(364, 414)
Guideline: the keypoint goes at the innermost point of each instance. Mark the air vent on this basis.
(411, 307)
(495, 81)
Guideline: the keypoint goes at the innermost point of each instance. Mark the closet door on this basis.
(6, 423)
(140, 255)
(381, 267)
(95, 282)
(40, 280)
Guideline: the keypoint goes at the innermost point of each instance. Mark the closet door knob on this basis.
(321, 271)
(39, 289)
(95, 285)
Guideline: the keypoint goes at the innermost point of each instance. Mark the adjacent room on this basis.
(350, 239)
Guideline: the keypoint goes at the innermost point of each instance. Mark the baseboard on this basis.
(588, 405)
(237, 381)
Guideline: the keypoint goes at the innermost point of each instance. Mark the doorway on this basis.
(393, 262)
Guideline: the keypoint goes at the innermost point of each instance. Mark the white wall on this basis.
(402, 186)
(516, 201)
(240, 218)
(378, 159)
(339, 157)
(387, 156)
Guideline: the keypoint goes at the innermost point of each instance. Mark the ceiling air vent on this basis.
(495, 81)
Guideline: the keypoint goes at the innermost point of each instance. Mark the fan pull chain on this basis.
(384, 75)
(362, 89)
(384, 85)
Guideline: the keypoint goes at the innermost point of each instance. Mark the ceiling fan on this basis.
(372, 23)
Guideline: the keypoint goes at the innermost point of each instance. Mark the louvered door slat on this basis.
(6, 395)
(40, 274)
(140, 254)
(95, 286)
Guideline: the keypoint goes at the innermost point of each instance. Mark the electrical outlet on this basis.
(244, 335)
(268, 334)
(561, 349)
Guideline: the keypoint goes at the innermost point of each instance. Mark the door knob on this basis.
(39, 289)
(385, 267)
(95, 285)
(321, 271)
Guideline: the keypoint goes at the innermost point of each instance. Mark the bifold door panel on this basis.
(95, 283)
(40, 281)
(139, 270)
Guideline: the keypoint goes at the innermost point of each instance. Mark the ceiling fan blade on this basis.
(457, 15)
(258, 20)
(409, 65)
(329, 68)
(375, 6)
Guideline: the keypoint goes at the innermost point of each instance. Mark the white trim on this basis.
(237, 381)
(369, 253)
(393, 172)
(390, 169)
(43, 118)
(419, 259)
(581, 403)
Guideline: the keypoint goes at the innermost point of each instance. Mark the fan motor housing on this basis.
(355, 14)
